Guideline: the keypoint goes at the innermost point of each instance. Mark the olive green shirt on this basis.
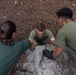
(33, 35)
(10, 53)
(67, 36)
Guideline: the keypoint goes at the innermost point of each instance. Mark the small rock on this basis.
(73, 5)
(16, 2)
(4, 17)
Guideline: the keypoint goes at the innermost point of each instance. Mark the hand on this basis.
(48, 53)
(33, 45)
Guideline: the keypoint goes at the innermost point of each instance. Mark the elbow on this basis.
(57, 52)
(54, 56)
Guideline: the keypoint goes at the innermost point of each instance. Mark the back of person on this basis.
(10, 51)
(69, 31)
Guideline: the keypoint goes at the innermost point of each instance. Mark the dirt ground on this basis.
(27, 13)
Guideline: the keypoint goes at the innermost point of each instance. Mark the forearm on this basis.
(32, 41)
(57, 52)
(33, 44)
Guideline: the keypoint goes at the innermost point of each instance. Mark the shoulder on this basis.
(24, 42)
(48, 31)
(33, 32)
(61, 33)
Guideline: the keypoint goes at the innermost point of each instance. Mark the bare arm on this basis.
(33, 45)
(57, 52)
(32, 41)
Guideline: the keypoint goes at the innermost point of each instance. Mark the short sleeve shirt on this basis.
(67, 36)
(33, 35)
